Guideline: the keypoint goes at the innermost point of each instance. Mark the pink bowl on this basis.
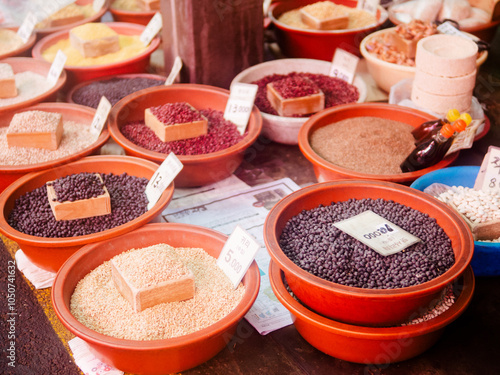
(22, 51)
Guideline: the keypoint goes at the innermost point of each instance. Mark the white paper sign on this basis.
(240, 103)
(163, 176)
(97, 5)
(176, 68)
(369, 5)
(344, 65)
(100, 117)
(153, 27)
(488, 178)
(377, 233)
(237, 254)
(56, 68)
(465, 139)
(448, 28)
(27, 27)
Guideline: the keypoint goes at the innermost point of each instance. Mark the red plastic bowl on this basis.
(51, 253)
(368, 307)
(198, 170)
(369, 345)
(72, 112)
(77, 74)
(326, 171)
(157, 356)
(139, 17)
(318, 44)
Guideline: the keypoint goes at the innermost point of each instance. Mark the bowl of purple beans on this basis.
(27, 217)
(343, 278)
(285, 129)
(206, 158)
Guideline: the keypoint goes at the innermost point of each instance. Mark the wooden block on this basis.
(330, 23)
(8, 87)
(79, 209)
(302, 105)
(407, 46)
(148, 5)
(169, 131)
(37, 129)
(489, 230)
(94, 39)
(69, 14)
(163, 287)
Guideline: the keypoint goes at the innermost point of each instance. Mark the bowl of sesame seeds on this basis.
(164, 338)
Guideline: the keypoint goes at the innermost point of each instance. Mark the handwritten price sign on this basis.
(344, 65)
(163, 176)
(239, 105)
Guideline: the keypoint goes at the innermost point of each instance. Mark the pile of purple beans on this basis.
(311, 241)
(77, 186)
(32, 213)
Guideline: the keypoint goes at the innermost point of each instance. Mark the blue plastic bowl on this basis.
(486, 258)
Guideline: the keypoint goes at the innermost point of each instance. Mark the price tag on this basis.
(240, 103)
(377, 233)
(176, 68)
(100, 117)
(56, 68)
(369, 5)
(465, 139)
(27, 27)
(97, 5)
(448, 28)
(488, 178)
(153, 27)
(237, 255)
(163, 176)
(344, 65)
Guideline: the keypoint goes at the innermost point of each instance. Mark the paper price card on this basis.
(56, 68)
(377, 233)
(465, 139)
(344, 65)
(237, 254)
(153, 27)
(163, 176)
(240, 103)
(448, 28)
(369, 5)
(100, 117)
(26, 29)
(176, 68)
(97, 5)
(488, 178)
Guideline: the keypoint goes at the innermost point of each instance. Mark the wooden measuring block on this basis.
(335, 21)
(79, 209)
(94, 39)
(69, 14)
(178, 286)
(407, 46)
(8, 87)
(148, 5)
(489, 230)
(301, 105)
(176, 131)
(37, 129)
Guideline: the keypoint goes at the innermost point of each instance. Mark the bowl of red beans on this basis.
(49, 240)
(206, 158)
(285, 129)
(376, 278)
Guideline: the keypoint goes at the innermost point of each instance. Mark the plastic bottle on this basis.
(428, 128)
(433, 150)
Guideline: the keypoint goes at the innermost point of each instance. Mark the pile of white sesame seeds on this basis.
(34, 122)
(29, 85)
(97, 303)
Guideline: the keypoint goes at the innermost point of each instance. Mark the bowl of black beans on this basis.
(28, 219)
(343, 278)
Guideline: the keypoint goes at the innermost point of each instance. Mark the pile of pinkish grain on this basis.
(76, 137)
(446, 300)
(369, 145)
(98, 305)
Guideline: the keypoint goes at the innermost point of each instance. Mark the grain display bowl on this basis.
(122, 15)
(22, 51)
(51, 253)
(369, 345)
(157, 356)
(198, 170)
(362, 306)
(327, 171)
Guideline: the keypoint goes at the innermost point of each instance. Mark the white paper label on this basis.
(100, 117)
(176, 68)
(240, 103)
(97, 5)
(377, 233)
(488, 178)
(153, 27)
(56, 68)
(237, 255)
(163, 176)
(344, 65)
(465, 139)
(369, 5)
(27, 27)
(448, 28)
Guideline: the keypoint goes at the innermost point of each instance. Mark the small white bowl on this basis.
(286, 129)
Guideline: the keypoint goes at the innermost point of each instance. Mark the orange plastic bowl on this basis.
(157, 356)
(318, 44)
(24, 50)
(368, 307)
(326, 171)
(77, 74)
(24, 64)
(51, 253)
(70, 112)
(370, 345)
(198, 170)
